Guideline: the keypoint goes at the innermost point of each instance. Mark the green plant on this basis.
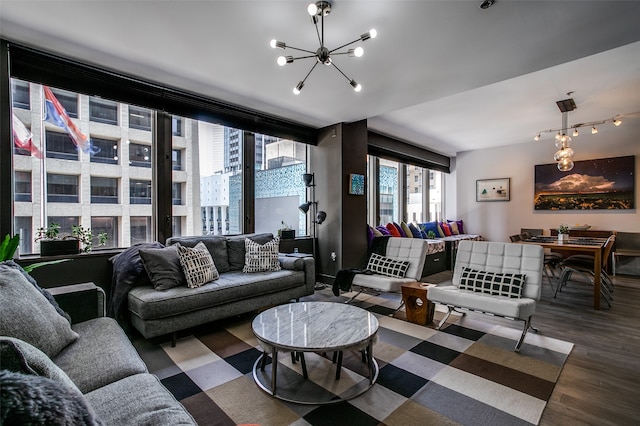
(8, 248)
(85, 236)
(285, 227)
(50, 233)
(563, 229)
(431, 235)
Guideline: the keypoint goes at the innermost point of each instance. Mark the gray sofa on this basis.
(155, 313)
(59, 372)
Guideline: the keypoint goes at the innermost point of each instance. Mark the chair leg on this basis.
(356, 295)
(445, 318)
(527, 325)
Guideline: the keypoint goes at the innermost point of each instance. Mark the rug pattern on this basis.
(465, 374)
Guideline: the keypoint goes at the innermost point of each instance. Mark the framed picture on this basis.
(356, 184)
(600, 184)
(493, 189)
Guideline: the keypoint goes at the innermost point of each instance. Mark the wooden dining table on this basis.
(592, 246)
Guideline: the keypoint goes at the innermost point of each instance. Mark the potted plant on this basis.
(8, 248)
(563, 232)
(53, 243)
(285, 232)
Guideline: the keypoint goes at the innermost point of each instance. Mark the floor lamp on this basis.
(318, 216)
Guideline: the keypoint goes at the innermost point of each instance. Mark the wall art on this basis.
(493, 189)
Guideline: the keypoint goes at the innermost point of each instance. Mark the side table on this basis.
(419, 309)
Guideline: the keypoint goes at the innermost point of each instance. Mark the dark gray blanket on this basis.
(344, 277)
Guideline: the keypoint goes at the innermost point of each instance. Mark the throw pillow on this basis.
(393, 231)
(440, 232)
(261, 257)
(454, 227)
(34, 400)
(383, 230)
(415, 231)
(163, 267)
(28, 316)
(197, 265)
(376, 232)
(494, 283)
(386, 266)
(445, 228)
(399, 228)
(406, 230)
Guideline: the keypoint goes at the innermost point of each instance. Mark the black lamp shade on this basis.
(304, 207)
(308, 179)
(320, 217)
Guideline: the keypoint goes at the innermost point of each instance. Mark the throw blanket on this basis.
(128, 272)
(344, 277)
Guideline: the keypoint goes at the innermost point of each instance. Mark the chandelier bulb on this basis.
(273, 43)
(558, 136)
(357, 52)
(575, 132)
(312, 9)
(594, 130)
(565, 165)
(282, 61)
(373, 33)
(298, 88)
(357, 87)
(617, 122)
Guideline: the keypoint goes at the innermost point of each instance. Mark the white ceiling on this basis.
(445, 75)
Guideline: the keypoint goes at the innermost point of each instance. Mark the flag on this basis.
(56, 114)
(22, 138)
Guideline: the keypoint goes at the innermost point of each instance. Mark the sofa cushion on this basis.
(197, 265)
(393, 231)
(101, 355)
(406, 230)
(27, 315)
(415, 231)
(386, 266)
(494, 283)
(138, 400)
(20, 357)
(163, 267)
(261, 257)
(237, 248)
(35, 400)
(216, 244)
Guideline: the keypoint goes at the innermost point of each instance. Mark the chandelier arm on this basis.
(301, 50)
(344, 45)
(309, 73)
(340, 71)
(305, 57)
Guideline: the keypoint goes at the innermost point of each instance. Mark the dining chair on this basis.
(583, 264)
(551, 259)
(627, 244)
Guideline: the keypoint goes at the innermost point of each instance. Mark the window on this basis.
(103, 111)
(140, 229)
(139, 155)
(22, 188)
(22, 227)
(60, 145)
(388, 191)
(140, 192)
(176, 194)
(66, 223)
(436, 195)
(414, 200)
(106, 224)
(69, 101)
(176, 159)
(104, 190)
(107, 151)
(62, 188)
(139, 118)
(176, 126)
(20, 94)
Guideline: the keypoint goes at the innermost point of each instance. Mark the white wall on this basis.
(495, 221)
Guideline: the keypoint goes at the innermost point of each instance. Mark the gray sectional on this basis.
(155, 313)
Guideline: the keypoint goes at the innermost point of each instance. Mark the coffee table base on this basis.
(302, 391)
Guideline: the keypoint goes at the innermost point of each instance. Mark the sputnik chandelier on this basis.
(322, 55)
(564, 155)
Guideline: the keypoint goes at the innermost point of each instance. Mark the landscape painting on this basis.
(607, 183)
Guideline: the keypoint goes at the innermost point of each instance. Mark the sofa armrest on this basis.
(82, 302)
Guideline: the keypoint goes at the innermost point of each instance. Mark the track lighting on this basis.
(575, 132)
(323, 55)
(594, 130)
(617, 122)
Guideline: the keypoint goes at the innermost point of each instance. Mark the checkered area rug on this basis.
(465, 374)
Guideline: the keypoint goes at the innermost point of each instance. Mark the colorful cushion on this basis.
(415, 231)
(430, 226)
(197, 265)
(389, 267)
(445, 228)
(261, 257)
(454, 227)
(440, 232)
(406, 230)
(383, 230)
(163, 267)
(494, 283)
(400, 230)
(377, 232)
(393, 231)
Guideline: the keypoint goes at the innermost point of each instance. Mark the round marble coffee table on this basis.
(313, 327)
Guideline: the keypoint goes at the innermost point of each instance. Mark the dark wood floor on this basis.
(600, 382)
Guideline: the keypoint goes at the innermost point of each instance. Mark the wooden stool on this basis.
(419, 309)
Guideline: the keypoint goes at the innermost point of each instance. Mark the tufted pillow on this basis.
(494, 283)
(389, 267)
(197, 265)
(27, 315)
(261, 257)
(163, 267)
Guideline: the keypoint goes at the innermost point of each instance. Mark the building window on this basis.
(69, 101)
(176, 126)
(176, 193)
(108, 151)
(106, 224)
(176, 159)
(176, 226)
(140, 229)
(20, 94)
(60, 145)
(22, 226)
(139, 155)
(22, 188)
(104, 190)
(139, 118)
(139, 192)
(66, 223)
(103, 111)
(62, 188)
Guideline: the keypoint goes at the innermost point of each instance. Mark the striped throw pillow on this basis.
(261, 257)
(197, 265)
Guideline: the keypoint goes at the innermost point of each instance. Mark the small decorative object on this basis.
(286, 233)
(431, 235)
(563, 232)
(493, 189)
(52, 243)
(356, 184)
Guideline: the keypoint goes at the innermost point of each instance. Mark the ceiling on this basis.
(445, 75)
